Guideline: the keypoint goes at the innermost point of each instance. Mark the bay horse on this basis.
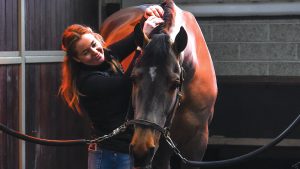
(178, 45)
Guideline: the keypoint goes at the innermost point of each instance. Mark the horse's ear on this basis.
(141, 39)
(180, 41)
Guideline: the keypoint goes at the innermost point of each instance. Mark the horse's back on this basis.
(120, 24)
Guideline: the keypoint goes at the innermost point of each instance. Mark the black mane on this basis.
(156, 52)
(168, 18)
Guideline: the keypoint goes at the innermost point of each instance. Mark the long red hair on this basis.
(70, 68)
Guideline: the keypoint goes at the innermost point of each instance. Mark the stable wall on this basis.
(254, 46)
(30, 65)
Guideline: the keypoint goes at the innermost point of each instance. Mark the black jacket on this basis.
(105, 95)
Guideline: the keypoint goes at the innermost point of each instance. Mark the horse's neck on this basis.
(187, 58)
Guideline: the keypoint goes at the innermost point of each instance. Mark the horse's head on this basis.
(156, 84)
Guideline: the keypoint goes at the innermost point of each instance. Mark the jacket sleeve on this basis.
(122, 48)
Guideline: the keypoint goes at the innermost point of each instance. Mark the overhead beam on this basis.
(243, 9)
(233, 9)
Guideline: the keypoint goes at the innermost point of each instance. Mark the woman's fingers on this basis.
(154, 21)
(157, 21)
(151, 18)
(154, 15)
(160, 11)
(151, 23)
(154, 10)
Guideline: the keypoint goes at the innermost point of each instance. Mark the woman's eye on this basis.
(94, 44)
(85, 53)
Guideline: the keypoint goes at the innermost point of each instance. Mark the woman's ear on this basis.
(141, 39)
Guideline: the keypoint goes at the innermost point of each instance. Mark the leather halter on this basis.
(166, 129)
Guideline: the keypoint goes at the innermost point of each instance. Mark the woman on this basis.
(93, 82)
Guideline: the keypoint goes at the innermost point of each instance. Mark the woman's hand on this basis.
(154, 10)
(150, 24)
(153, 15)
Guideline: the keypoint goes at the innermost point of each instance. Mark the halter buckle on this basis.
(167, 132)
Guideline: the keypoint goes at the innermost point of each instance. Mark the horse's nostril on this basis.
(142, 147)
(142, 160)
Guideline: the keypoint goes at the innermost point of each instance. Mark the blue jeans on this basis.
(107, 159)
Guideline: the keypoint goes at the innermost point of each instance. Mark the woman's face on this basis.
(89, 50)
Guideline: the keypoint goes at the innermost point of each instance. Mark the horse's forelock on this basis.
(157, 51)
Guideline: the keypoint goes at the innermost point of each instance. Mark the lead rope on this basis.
(210, 164)
(236, 160)
(48, 142)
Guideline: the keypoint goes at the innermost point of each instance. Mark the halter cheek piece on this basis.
(166, 129)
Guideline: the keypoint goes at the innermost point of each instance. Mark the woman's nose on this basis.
(94, 50)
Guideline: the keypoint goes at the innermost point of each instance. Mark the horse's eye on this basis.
(133, 79)
(175, 84)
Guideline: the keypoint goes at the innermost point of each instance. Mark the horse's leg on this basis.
(162, 157)
(191, 135)
(195, 148)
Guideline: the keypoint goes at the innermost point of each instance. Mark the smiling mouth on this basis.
(98, 57)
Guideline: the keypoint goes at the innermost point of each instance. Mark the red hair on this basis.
(70, 68)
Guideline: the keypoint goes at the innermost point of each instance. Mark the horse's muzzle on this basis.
(144, 161)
